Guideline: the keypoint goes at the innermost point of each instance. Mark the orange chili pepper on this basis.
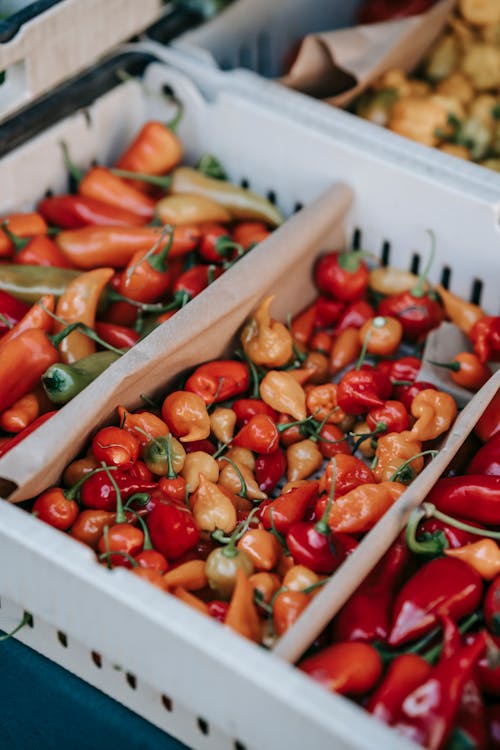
(382, 335)
(99, 183)
(242, 614)
(265, 341)
(147, 277)
(290, 435)
(483, 556)
(322, 342)
(36, 317)
(77, 469)
(463, 314)
(361, 508)
(142, 422)
(23, 361)
(79, 303)
(266, 583)
(155, 150)
(395, 450)
(281, 391)
(322, 402)
(239, 479)
(317, 365)
(22, 225)
(39, 250)
(346, 668)
(299, 577)
(467, 370)
(91, 247)
(250, 233)
(186, 416)
(190, 575)
(350, 473)
(24, 411)
(287, 608)
(302, 325)
(346, 348)
(262, 547)
(435, 412)
(185, 596)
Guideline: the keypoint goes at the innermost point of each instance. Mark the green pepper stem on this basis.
(317, 585)
(157, 262)
(425, 547)
(322, 525)
(230, 541)
(18, 242)
(274, 531)
(26, 620)
(120, 513)
(434, 653)
(171, 473)
(142, 498)
(402, 382)
(351, 260)
(162, 182)
(211, 167)
(6, 321)
(454, 366)
(243, 490)
(432, 512)
(107, 556)
(408, 461)
(362, 436)
(364, 349)
(418, 289)
(76, 173)
(147, 539)
(286, 425)
(72, 492)
(87, 331)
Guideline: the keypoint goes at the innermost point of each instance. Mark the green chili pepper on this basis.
(29, 283)
(63, 382)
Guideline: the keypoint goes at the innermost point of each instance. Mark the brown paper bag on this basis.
(339, 65)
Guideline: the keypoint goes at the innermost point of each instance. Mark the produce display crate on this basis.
(185, 673)
(45, 42)
(251, 41)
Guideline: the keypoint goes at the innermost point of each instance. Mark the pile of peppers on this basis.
(248, 484)
(87, 274)
(417, 643)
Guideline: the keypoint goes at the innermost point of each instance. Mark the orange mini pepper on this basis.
(395, 450)
(361, 508)
(186, 416)
(262, 547)
(155, 150)
(23, 361)
(346, 668)
(22, 225)
(321, 402)
(346, 348)
(100, 184)
(265, 341)
(147, 277)
(143, 424)
(483, 556)
(242, 616)
(222, 423)
(302, 325)
(463, 314)
(196, 464)
(435, 412)
(382, 335)
(303, 459)
(24, 411)
(193, 601)
(191, 575)
(38, 316)
(287, 608)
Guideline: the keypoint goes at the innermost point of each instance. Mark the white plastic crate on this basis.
(62, 39)
(250, 42)
(244, 694)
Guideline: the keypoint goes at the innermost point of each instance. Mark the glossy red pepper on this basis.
(392, 415)
(269, 468)
(98, 491)
(119, 336)
(487, 459)
(354, 316)
(440, 587)
(403, 369)
(344, 276)
(192, 282)
(76, 211)
(289, 508)
(172, 528)
(488, 675)
(260, 434)
(216, 245)
(246, 408)
(491, 607)
(443, 534)
(219, 380)
(406, 393)
(474, 496)
(485, 338)
(406, 672)
(366, 615)
(11, 311)
(328, 312)
(218, 609)
(362, 390)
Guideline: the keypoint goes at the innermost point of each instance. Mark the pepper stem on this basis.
(243, 490)
(171, 473)
(163, 182)
(362, 436)
(364, 349)
(322, 525)
(432, 512)
(147, 539)
(287, 425)
(433, 546)
(26, 620)
(18, 242)
(434, 653)
(400, 472)
(76, 173)
(107, 556)
(72, 492)
(418, 289)
(454, 366)
(157, 262)
(120, 513)
(230, 541)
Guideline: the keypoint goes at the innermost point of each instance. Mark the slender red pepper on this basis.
(485, 338)
(269, 468)
(487, 459)
(342, 275)
(366, 615)
(288, 508)
(173, 529)
(11, 311)
(328, 312)
(404, 675)
(475, 497)
(437, 588)
(76, 211)
(345, 668)
(489, 423)
(13, 441)
(119, 336)
(246, 408)
(362, 390)
(219, 380)
(147, 277)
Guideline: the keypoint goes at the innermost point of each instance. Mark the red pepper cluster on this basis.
(417, 643)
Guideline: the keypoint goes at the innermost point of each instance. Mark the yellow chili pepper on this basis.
(463, 314)
(190, 209)
(280, 390)
(483, 556)
(435, 412)
(196, 463)
(212, 509)
(265, 341)
(361, 508)
(394, 450)
(78, 303)
(303, 459)
(242, 457)
(365, 447)
(222, 423)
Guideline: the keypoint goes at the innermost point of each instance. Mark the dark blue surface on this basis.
(44, 707)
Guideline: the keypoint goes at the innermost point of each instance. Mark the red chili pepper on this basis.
(289, 508)
(250, 233)
(491, 607)
(216, 245)
(362, 390)
(269, 468)
(152, 560)
(437, 588)
(489, 423)
(331, 441)
(475, 497)
(488, 676)
(147, 277)
(13, 441)
(485, 338)
(351, 472)
(155, 150)
(345, 668)
(192, 282)
(406, 672)
(487, 459)
(354, 316)
(11, 311)
(76, 211)
(260, 434)
(174, 488)
(328, 312)
(98, 491)
(219, 380)
(366, 615)
(119, 336)
(302, 325)
(405, 369)
(121, 538)
(200, 445)
(218, 609)
(428, 714)
(392, 415)
(173, 529)
(342, 275)
(116, 447)
(246, 408)
(406, 393)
